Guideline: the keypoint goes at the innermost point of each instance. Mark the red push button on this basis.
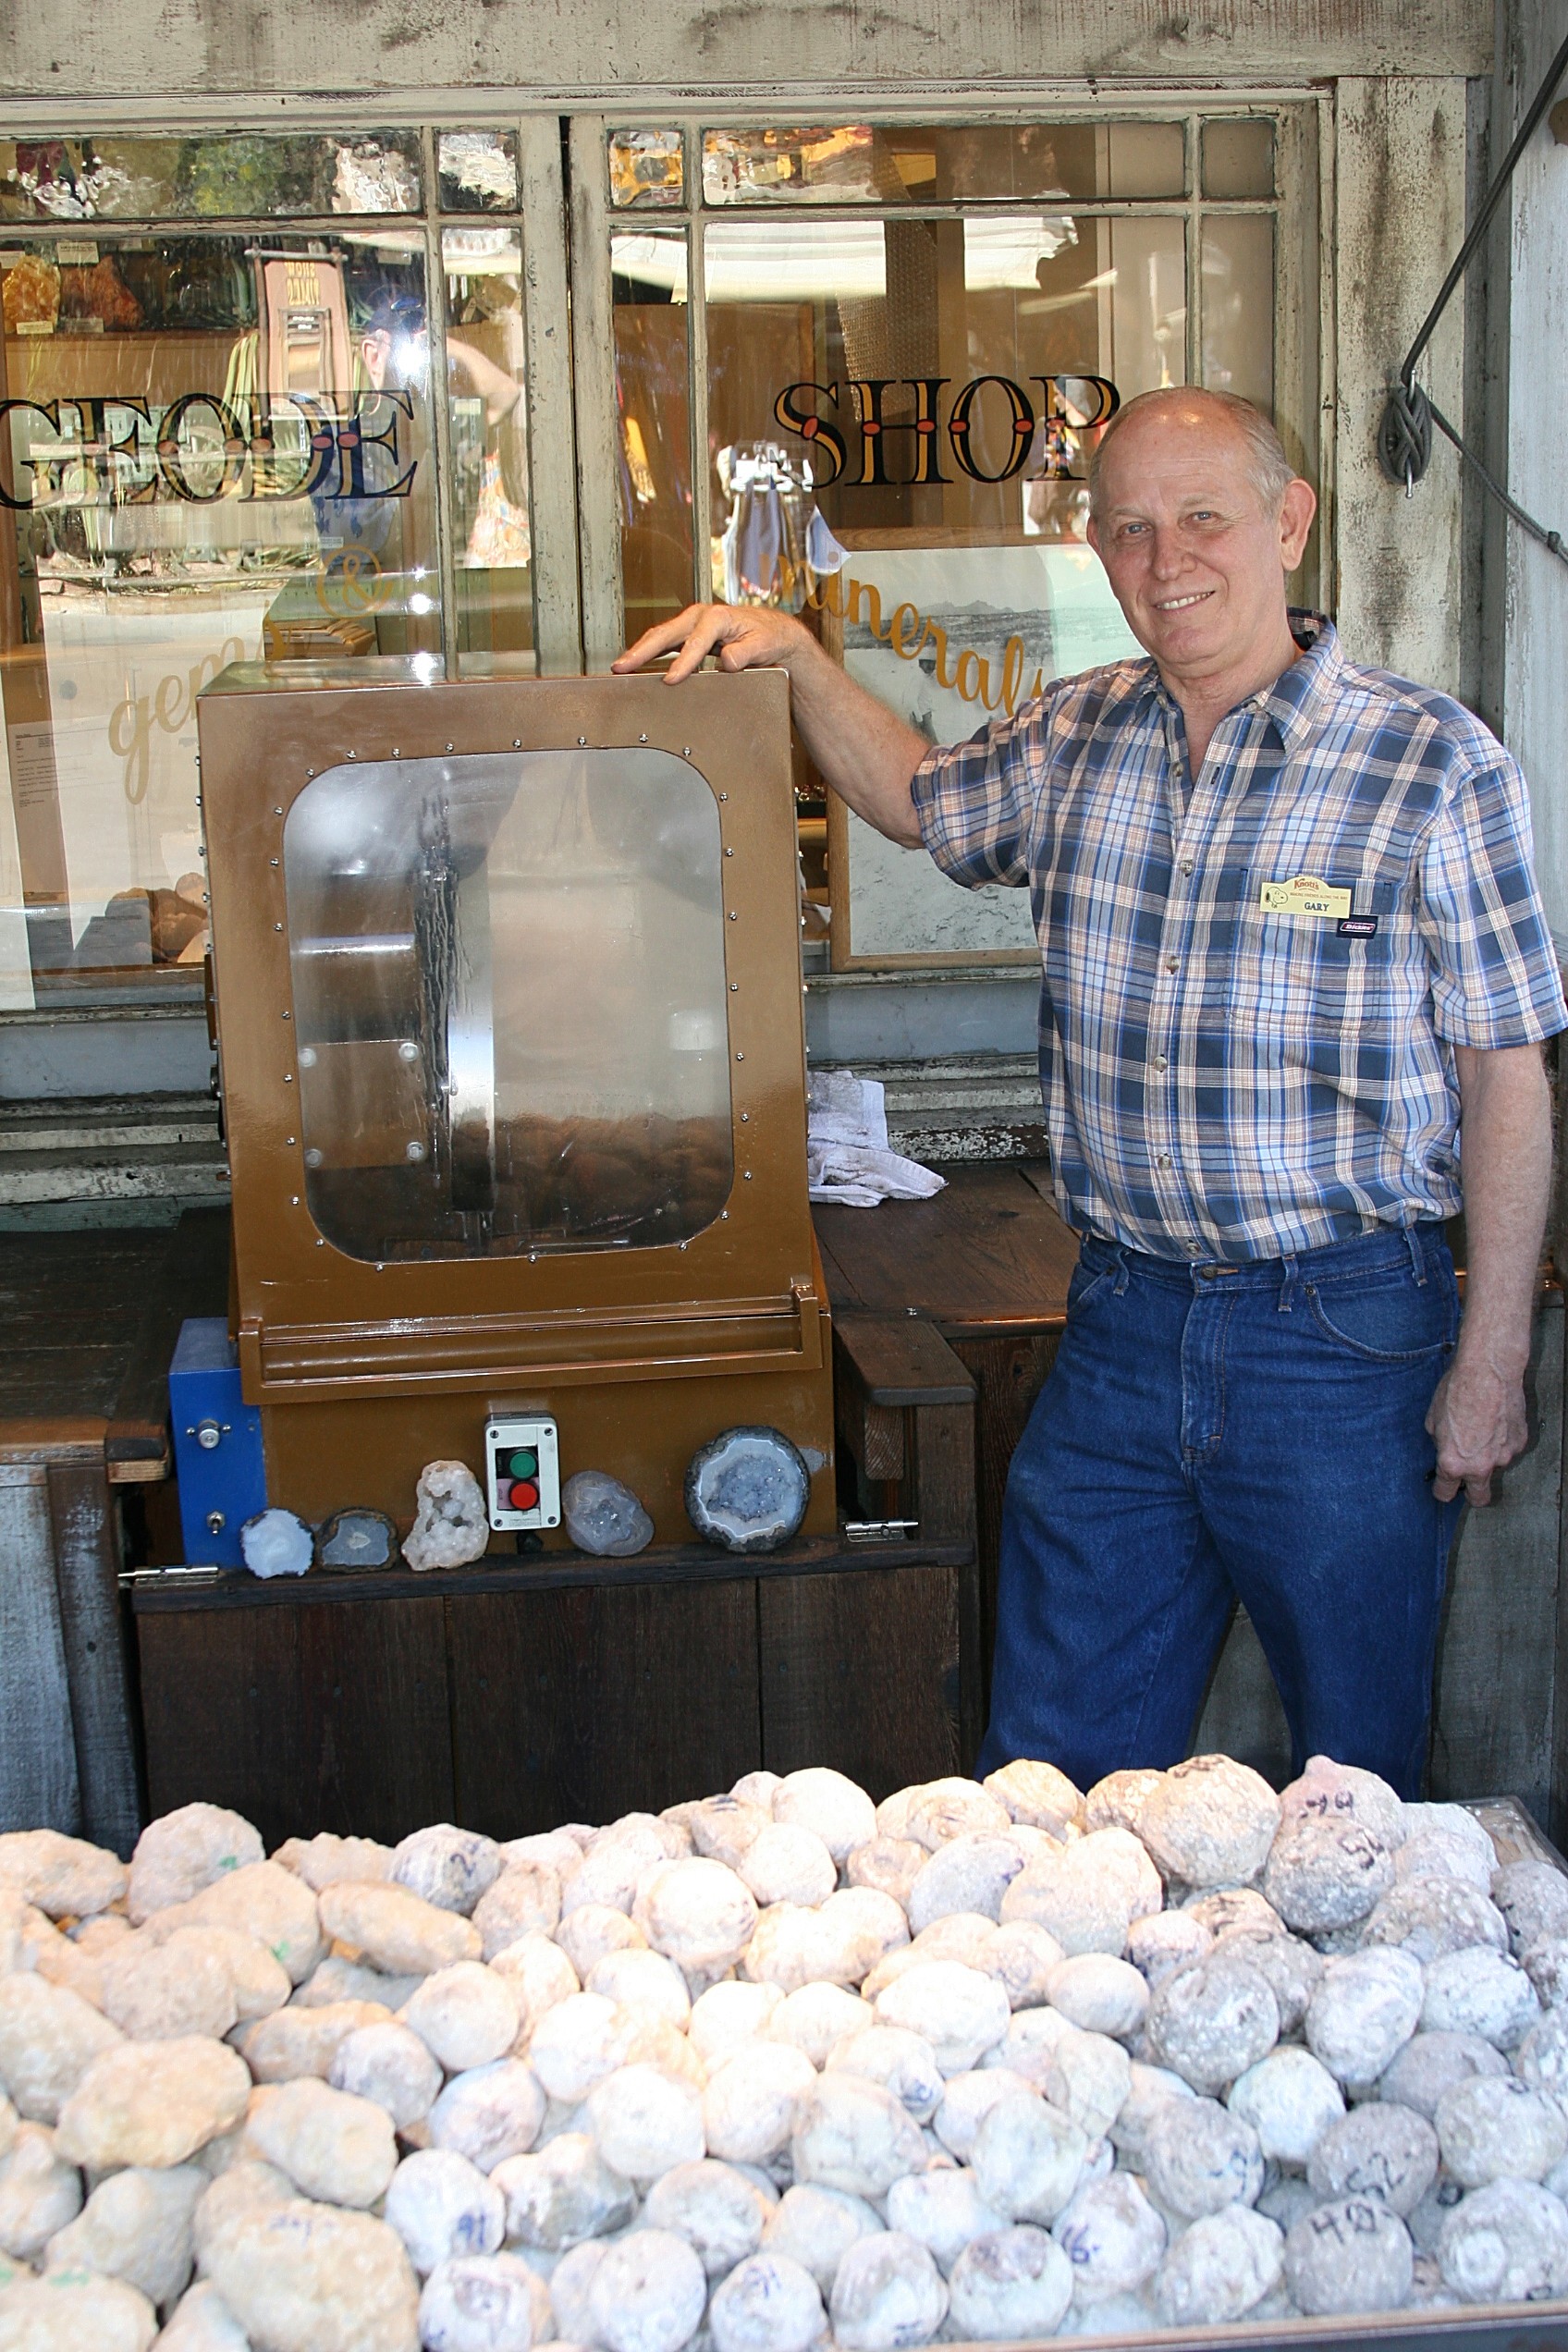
(523, 1495)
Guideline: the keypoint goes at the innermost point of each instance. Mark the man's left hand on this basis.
(1478, 1422)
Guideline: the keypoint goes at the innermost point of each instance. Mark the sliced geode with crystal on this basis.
(353, 1542)
(747, 1490)
(451, 1526)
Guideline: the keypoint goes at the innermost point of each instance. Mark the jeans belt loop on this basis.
(1419, 1264)
(1119, 1286)
(1288, 1285)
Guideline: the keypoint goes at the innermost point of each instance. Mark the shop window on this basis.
(652, 394)
(646, 168)
(477, 170)
(972, 163)
(903, 343)
(509, 1002)
(1238, 157)
(488, 499)
(218, 443)
(228, 176)
(1238, 309)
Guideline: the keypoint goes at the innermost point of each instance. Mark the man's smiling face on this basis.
(1196, 555)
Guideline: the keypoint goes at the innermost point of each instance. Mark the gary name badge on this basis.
(1306, 896)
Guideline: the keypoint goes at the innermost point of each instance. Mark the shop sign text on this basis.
(923, 436)
(201, 447)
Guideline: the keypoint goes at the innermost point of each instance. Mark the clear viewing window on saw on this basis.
(509, 1003)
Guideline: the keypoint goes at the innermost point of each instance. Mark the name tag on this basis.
(1306, 896)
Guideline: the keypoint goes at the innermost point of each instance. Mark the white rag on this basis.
(846, 1156)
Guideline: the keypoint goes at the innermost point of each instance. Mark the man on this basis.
(1292, 945)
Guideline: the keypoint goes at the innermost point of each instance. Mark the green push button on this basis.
(524, 1462)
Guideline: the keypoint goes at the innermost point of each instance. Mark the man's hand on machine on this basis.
(862, 748)
(743, 637)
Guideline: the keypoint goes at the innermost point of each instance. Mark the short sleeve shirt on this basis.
(1253, 981)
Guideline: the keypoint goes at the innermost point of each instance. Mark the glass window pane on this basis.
(221, 449)
(1238, 306)
(1143, 159)
(646, 168)
(654, 403)
(477, 170)
(1238, 157)
(509, 1003)
(230, 175)
(901, 164)
(921, 376)
(488, 493)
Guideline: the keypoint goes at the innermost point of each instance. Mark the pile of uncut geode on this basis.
(782, 2068)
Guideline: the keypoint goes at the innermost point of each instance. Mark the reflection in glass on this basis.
(509, 1003)
(220, 448)
(1238, 157)
(648, 276)
(933, 375)
(646, 168)
(488, 493)
(226, 176)
(1238, 305)
(970, 164)
(477, 171)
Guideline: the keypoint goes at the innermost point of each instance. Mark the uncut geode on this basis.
(747, 1490)
(1212, 2020)
(603, 1517)
(1325, 1872)
(1210, 1822)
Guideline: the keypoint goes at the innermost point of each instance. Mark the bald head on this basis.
(1186, 414)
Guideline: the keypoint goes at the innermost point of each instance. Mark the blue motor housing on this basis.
(217, 1444)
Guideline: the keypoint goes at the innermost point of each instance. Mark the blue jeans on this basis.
(1212, 1431)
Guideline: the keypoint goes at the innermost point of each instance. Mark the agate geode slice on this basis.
(354, 1542)
(747, 1490)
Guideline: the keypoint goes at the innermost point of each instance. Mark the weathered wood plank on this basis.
(582, 1705)
(38, 1772)
(1010, 1369)
(191, 1280)
(1496, 1654)
(304, 1718)
(861, 1671)
(550, 49)
(989, 1253)
(99, 1673)
(1398, 600)
(534, 1571)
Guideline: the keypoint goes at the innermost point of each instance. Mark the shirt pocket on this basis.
(1295, 977)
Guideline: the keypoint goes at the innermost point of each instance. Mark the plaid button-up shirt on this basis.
(1222, 1080)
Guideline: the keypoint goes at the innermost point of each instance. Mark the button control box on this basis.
(522, 1475)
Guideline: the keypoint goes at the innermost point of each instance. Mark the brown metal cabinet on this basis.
(509, 1002)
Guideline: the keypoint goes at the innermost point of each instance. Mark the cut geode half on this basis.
(276, 1544)
(747, 1490)
(353, 1542)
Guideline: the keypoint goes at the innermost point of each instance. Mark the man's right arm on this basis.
(865, 750)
